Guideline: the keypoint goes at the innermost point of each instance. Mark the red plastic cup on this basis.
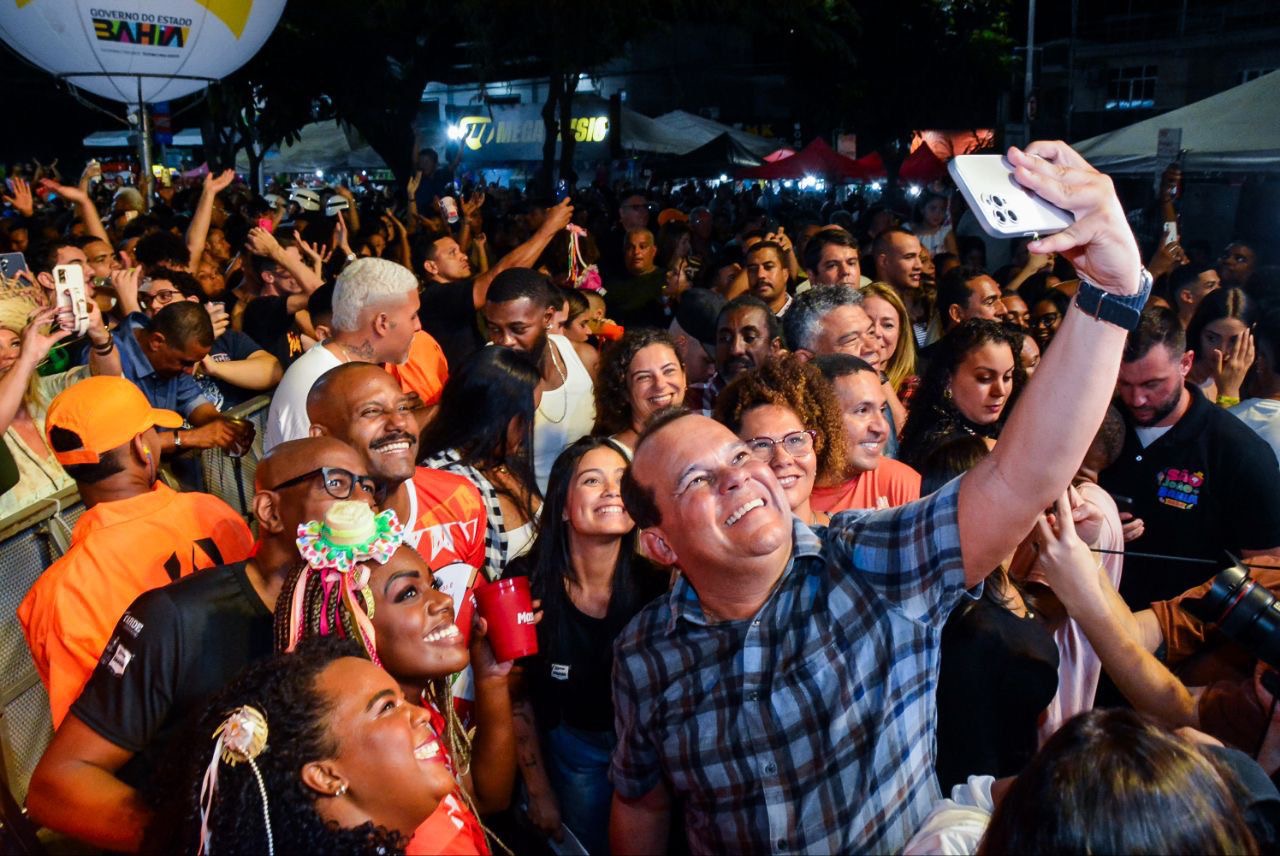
(507, 606)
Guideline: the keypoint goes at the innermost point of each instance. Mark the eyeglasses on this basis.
(1047, 320)
(337, 482)
(797, 444)
(163, 297)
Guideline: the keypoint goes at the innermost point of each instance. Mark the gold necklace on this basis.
(564, 385)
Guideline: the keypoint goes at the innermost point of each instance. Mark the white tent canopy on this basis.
(321, 145)
(1233, 131)
(704, 130)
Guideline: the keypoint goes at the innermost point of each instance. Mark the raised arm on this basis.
(35, 347)
(198, 231)
(1058, 414)
(525, 254)
(1084, 589)
(85, 209)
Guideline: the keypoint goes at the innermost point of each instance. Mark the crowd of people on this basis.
(849, 529)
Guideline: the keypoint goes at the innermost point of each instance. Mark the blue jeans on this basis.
(578, 766)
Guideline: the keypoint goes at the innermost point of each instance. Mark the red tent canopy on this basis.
(922, 166)
(816, 159)
(779, 154)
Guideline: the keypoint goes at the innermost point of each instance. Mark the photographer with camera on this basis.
(1220, 637)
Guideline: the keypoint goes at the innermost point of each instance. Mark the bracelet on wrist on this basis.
(1228, 400)
(105, 348)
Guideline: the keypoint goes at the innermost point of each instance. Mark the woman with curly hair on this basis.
(967, 389)
(391, 604)
(317, 751)
(787, 414)
(639, 375)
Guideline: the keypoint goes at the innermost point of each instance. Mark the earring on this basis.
(341, 791)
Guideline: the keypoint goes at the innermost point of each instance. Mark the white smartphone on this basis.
(68, 281)
(1005, 208)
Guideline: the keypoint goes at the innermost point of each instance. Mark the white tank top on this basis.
(565, 414)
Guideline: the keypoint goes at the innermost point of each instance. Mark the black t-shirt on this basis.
(172, 650)
(1208, 485)
(448, 313)
(570, 678)
(268, 321)
(999, 672)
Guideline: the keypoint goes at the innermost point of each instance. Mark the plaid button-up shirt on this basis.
(809, 727)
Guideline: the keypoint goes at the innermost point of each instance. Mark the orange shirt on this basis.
(425, 371)
(450, 531)
(890, 484)
(118, 551)
(451, 829)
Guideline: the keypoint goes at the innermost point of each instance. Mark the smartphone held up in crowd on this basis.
(1005, 208)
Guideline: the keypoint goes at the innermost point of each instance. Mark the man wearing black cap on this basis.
(694, 329)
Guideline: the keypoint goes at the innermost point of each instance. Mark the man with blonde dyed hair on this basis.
(375, 316)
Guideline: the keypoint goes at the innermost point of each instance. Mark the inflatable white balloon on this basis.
(102, 46)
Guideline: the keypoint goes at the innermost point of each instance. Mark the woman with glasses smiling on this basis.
(787, 414)
(1047, 315)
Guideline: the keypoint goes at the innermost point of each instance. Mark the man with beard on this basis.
(1202, 484)
(747, 336)
(768, 276)
(375, 314)
(518, 313)
(443, 513)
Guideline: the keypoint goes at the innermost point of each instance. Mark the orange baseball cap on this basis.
(666, 215)
(105, 412)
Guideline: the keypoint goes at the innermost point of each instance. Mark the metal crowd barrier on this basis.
(33, 539)
(30, 541)
(231, 479)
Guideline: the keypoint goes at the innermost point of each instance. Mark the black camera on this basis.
(1247, 613)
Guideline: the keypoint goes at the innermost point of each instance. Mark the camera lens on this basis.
(998, 201)
(1013, 216)
(1000, 215)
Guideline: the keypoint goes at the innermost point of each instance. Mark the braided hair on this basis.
(309, 608)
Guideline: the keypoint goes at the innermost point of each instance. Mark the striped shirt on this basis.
(809, 727)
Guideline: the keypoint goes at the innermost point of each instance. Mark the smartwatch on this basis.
(1124, 312)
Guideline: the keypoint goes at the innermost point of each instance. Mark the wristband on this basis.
(1123, 312)
(1228, 401)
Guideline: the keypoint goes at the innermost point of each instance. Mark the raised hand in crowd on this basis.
(341, 239)
(19, 197)
(312, 251)
(1232, 364)
(353, 210)
(1099, 244)
(91, 170)
(1168, 257)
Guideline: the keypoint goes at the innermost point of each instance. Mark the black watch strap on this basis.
(1123, 312)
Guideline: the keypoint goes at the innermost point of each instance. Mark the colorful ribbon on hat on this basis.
(583, 275)
(335, 550)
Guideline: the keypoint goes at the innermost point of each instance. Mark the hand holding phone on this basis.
(1004, 208)
(72, 298)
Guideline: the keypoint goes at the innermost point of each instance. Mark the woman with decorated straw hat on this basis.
(27, 333)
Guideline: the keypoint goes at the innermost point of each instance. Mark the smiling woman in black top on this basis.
(585, 569)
